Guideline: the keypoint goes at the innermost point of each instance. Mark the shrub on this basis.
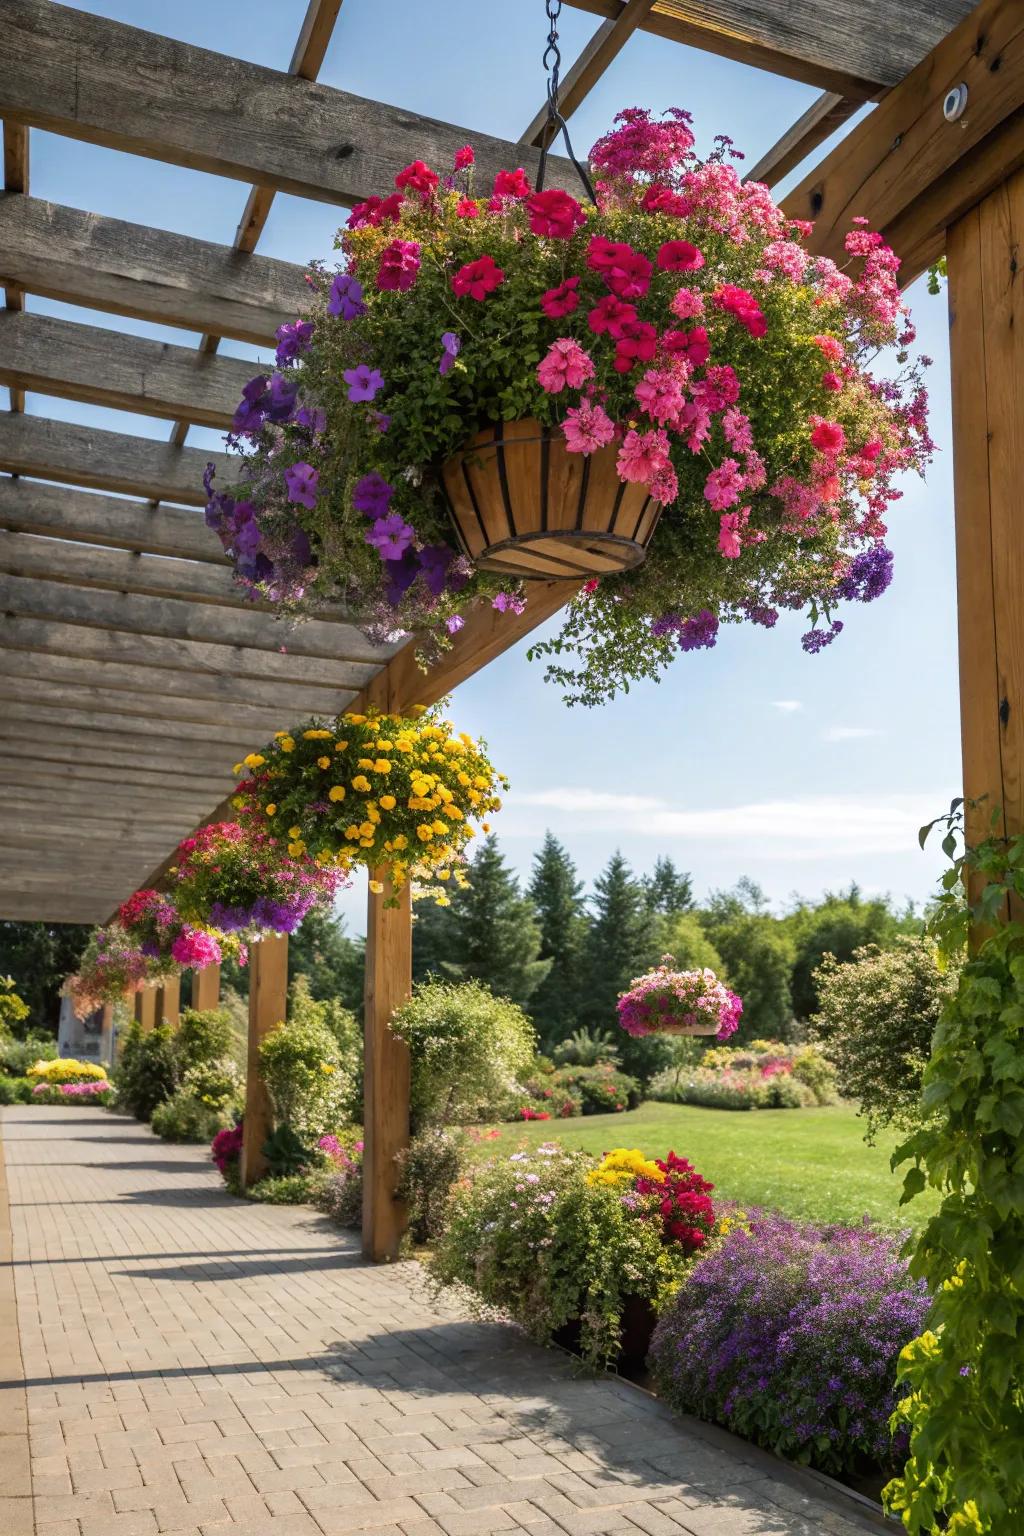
(186, 1117)
(538, 1236)
(203, 1037)
(308, 1086)
(468, 1049)
(789, 1335)
(740, 1089)
(13, 1009)
(147, 1070)
(288, 1188)
(587, 1047)
(876, 1017)
(215, 1084)
(286, 1153)
(16, 1056)
(428, 1168)
(602, 1090)
(15, 1090)
(341, 1195)
(66, 1069)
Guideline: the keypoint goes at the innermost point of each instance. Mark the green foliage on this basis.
(758, 956)
(876, 1018)
(937, 275)
(744, 1088)
(202, 1038)
(340, 1196)
(147, 1069)
(621, 943)
(332, 963)
(602, 1089)
(467, 1046)
(964, 1377)
(15, 1090)
(586, 1047)
(40, 956)
(557, 896)
(667, 891)
(16, 1056)
(301, 1064)
(286, 1152)
(186, 1117)
(684, 937)
(839, 925)
(428, 1168)
(13, 1010)
(287, 1188)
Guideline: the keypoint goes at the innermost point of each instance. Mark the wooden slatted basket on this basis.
(523, 505)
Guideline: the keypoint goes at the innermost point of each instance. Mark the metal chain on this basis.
(556, 123)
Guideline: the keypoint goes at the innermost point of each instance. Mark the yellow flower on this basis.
(401, 841)
(340, 746)
(366, 829)
(376, 887)
(361, 783)
(323, 762)
(485, 826)
(352, 833)
(271, 810)
(385, 746)
(465, 780)
(354, 719)
(454, 812)
(366, 842)
(417, 710)
(387, 802)
(444, 874)
(296, 849)
(280, 735)
(255, 760)
(287, 744)
(336, 792)
(440, 826)
(382, 765)
(326, 1068)
(443, 901)
(403, 744)
(425, 834)
(372, 813)
(316, 735)
(365, 762)
(294, 831)
(237, 768)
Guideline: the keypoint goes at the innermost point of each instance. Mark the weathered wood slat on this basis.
(43, 908)
(257, 724)
(812, 128)
(16, 768)
(34, 506)
(180, 620)
(150, 274)
(204, 690)
(16, 173)
(99, 80)
(108, 461)
(910, 171)
(53, 800)
(117, 570)
(129, 373)
(24, 631)
(108, 749)
(221, 743)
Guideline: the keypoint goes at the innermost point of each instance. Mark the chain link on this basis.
(556, 123)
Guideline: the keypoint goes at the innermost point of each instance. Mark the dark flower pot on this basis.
(636, 1327)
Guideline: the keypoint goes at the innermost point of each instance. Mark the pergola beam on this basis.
(812, 128)
(34, 506)
(127, 373)
(149, 274)
(107, 461)
(594, 58)
(74, 73)
(216, 716)
(220, 742)
(16, 171)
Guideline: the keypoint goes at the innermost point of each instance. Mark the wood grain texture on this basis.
(108, 461)
(168, 1000)
(89, 78)
(910, 170)
(385, 1071)
(216, 741)
(36, 506)
(128, 373)
(268, 1005)
(145, 1008)
(150, 274)
(96, 749)
(217, 717)
(812, 128)
(16, 174)
(206, 988)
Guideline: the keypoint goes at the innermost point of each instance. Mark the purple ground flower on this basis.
(451, 345)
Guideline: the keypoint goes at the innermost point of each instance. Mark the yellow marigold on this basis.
(443, 900)
(455, 813)
(361, 783)
(365, 762)
(403, 744)
(480, 782)
(326, 1068)
(401, 841)
(366, 842)
(294, 831)
(254, 760)
(382, 765)
(237, 768)
(352, 833)
(376, 887)
(340, 746)
(444, 874)
(425, 834)
(336, 792)
(367, 829)
(287, 744)
(296, 849)
(323, 762)
(271, 810)
(354, 719)
(417, 710)
(440, 826)
(465, 780)
(388, 802)
(485, 826)
(316, 735)
(624, 1164)
(385, 746)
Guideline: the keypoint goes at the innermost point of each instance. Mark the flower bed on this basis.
(94, 1091)
(764, 1075)
(66, 1069)
(677, 341)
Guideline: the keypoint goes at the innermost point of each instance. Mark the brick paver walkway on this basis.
(197, 1364)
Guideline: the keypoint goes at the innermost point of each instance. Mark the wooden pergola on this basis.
(123, 637)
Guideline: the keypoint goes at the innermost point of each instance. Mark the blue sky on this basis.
(802, 771)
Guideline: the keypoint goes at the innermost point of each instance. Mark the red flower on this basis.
(466, 208)
(561, 300)
(417, 177)
(376, 210)
(638, 344)
(610, 315)
(692, 344)
(399, 264)
(555, 214)
(512, 184)
(478, 278)
(828, 436)
(464, 157)
(601, 253)
(627, 273)
(679, 256)
(738, 302)
(664, 200)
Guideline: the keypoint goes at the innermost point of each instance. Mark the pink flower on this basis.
(464, 157)
(637, 344)
(375, 211)
(741, 304)
(692, 344)
(724, 485)
(417, 177)
(664, 486)
(629, 276)
(555, 214)
(659, 394)
(565, 364)
(679, 256)
(478, 278)
(466, 208)
(729, 528)
(830, 347)
(610, 315)
(561, 301)
(832, 382)
(642, 456)
(512, 184)
(738, 432)
(685, 303)
(587, 427)
(664, 200)
(827, 436)
(399, 264)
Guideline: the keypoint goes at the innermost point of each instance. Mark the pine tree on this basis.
(667, 890)
(621, 944)
(557, 897)
(331, 961)
(435, 941)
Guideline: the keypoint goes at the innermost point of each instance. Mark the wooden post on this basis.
(168, 1001)
(386, 1071)
(206, 988)
(107, 1036)
(268, 1005)
(986, 301)
(145, 1007)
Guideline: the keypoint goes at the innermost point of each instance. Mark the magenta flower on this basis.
(642, 456)
(565, 364)
(724, 486)
(302, 480)
(587, 427)
(390, 536)
(364, 383)
(508, 602)
(399, 264)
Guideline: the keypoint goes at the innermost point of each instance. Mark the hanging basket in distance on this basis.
(523, 505)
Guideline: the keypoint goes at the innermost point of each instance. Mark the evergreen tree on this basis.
(622, 943)
(557, 897)
(435, 940)
(758, 957)
(667, 890)
(332, 962)
(39, 956)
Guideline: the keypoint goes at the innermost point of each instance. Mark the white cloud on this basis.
(798, 828)
(849, 732)
(787, 706)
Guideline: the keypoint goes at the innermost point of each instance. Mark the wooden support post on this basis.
(268, 1005)
(107, 1036)
(206, 987)
(145, 1007)
(386, 1072)
(168, 1001)
(986, 301)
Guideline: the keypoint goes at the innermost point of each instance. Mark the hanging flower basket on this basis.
(667, 1001)
(397, 795)
(523, 506)
(239, 879)
(111, 966)
(162, 934)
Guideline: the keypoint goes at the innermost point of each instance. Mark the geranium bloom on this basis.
(629, 276)
(390, 536)
(372, 495)
(832, 382)
(566, 363)
(375, 211)
(827, 436)
(692, 344)
(587, 427)
(466, 208)
(399, 264)
(741, 304)
(659, 394)
(417, 177)
(685, 303)
(737, 429)
(364, 383)
(301, 480)
(664, 200)
(478, 278)
(346, 297)
(610, 315)
(830, 348)
(512, 184)
(642, 455)
(637, 344)
(561, 301)
(679, 256)
(555, 215)
(464, 157)
(664, 486)
(730, 526)
(195, 949)
(724, 485)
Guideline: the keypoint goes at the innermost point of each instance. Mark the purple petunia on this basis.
(451, 345)
(281, 397)
(346, 297)
(435, 560)
(372, 495)
(816, 640)
(302, 480)
(699, 633)
(364, 383)
(868, 576)
(391, 536)
(292, 341)
(508, 602)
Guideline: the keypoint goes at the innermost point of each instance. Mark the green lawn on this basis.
(809, 1163)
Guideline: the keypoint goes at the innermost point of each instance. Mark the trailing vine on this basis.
(964, 1376)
